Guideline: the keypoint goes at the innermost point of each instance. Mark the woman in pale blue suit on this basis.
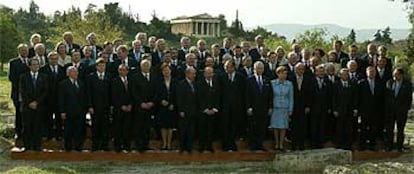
(282, 106)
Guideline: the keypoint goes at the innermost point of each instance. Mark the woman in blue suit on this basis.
(282, 106)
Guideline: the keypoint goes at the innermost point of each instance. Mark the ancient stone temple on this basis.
(202, 25)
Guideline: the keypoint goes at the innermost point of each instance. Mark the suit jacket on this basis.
(291, 73)
(398, 104)
(303, 97)
(98, 49)
(132, 55)
(255, 54)
(167, 94)
(187, 99)
(146, 49)
(132, 64)
(370, 104)
(53, 83)
(321, 97)
(119, 94)
(260, 100)
(83, 69)
(246, 73)
(181, 54)
(157, 59)
(208, 97)
(344, 99)
(16, 69)
(143, 90)
(223, 52)
(71, 47)
(72, 100)
(232, 92)
(387, 75)
(99, 92)
(342, 55)
(31, 92)
(202, 58)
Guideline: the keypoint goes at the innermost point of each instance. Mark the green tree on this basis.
(351, 36)
(314, 38)
(386, 35)
(8, 44)
(160, 28)
(378, 36)
(96, 21)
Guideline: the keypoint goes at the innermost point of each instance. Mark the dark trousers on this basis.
(229, 126)
(32, 131)
(206, 128)
(74, 132)
(122, 130)
(143, 127)
(369, 131)
(344, 130)
(100, 125)
(18, 126)
(298, 131)
(317, 129)
(396, 118)
(186, 129)
(52, 127)
(257, 130)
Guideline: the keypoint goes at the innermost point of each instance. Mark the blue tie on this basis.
(34, 80)
(260, 84)
(192, 87)
(397, 89)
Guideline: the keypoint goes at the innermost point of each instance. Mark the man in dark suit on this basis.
(382, 52)
(232, 117)
(226, 49)
(383, 73)
(122, 102)
(17, 67)
(92, 43)
(344, 106)
(330, 131)
(321, 101)
(190, 59)
(255, 52)
(158, 54)
(398, 99)
(143, 38)
(187, 108)
(99, 102)
(290, 66)
(354, 75)
(144, 95)
(122, 54)
(83, 68)
(370, 101)
(303, 90)
(259, 96)
(73, 106)
(55, 73)
(40, 54)
(68, 38)
(202, 51)
(33, 89)
(238, 58)
(208, 95)
(353, 55)
(184, 50)
(135, 51)
(371, 58)
(340, 55)
(247, 69)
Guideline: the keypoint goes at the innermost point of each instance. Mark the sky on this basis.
(358, 14)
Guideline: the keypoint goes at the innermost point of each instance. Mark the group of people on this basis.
(225, 93)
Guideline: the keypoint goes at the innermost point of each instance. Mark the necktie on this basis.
(320, 83)
(371, 86)
(34, 80)
(230, 78)
(210, 82)
(101, 77)
(299, 83)
(346, 84)
(147, 76)
(192, 87)
(396, 89)
(125, 83)
(260, 82)
(75, 84)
